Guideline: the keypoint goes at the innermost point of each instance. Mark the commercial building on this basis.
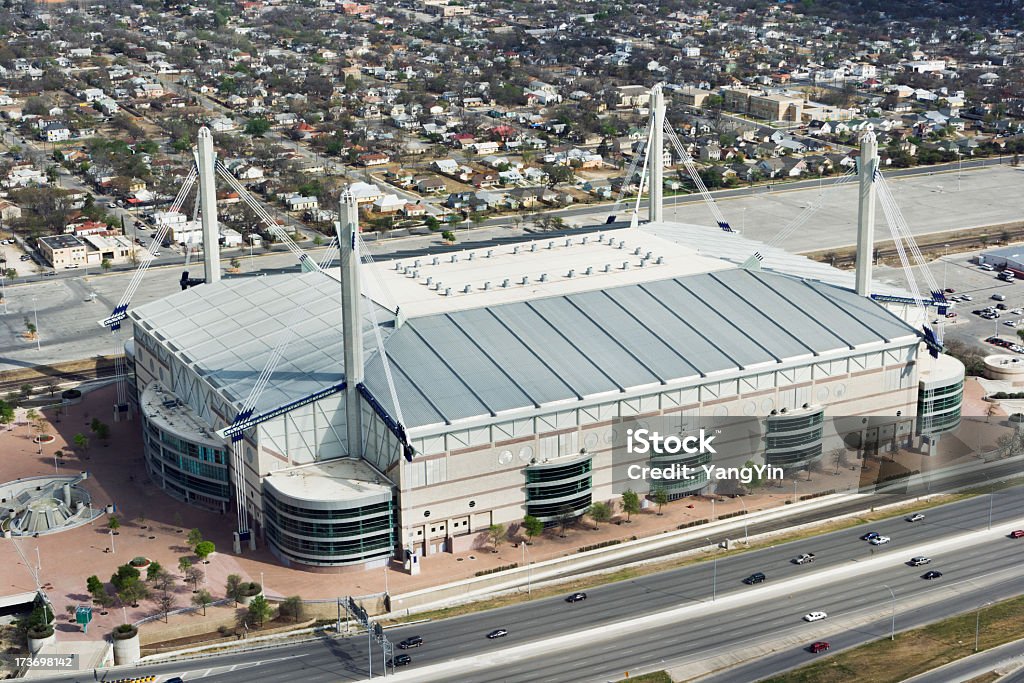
(762, 105)
(62, 251)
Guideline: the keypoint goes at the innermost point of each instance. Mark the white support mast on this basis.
(351, 320)
(657, 167)
(867, 168)
(205, 160)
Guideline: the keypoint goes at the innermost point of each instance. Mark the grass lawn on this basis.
(915, 651)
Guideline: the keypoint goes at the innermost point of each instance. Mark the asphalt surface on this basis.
(1008, 655)
(607, 606)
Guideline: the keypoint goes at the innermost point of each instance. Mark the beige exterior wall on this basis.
(60, 258)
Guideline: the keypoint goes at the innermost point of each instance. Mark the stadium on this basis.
(470, 388)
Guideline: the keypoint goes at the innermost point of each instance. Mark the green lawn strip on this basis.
(653, 677)
(914, 651)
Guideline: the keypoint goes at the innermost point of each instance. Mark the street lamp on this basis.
(944, 264)
(3, 287)
(714, 570)
(529, 568)
(892, 635)
(977, 625)
(746, 536)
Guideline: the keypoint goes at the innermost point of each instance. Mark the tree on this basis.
(292, 608)
(106, 264)
(184, 564)
(234, 587)
(496, 535)
(235, 263)
(533, 526)
(166, 602)
(123, 575)
(195, 537)
(566, 516)
(153, 571)
(600, 512)
(95, 588)
(630, 503)
(259, 609)
(257, 127)
(448, 236)
(131, 591)
(81, 441)
(103, 432)
(6, 413)
(659, 494)
(162, 581)
(204, 550)
(194, 575)
(113, 524)
(202, 598)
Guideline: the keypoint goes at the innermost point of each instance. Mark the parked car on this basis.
(998, 297)
(815, 616)
(819, 646)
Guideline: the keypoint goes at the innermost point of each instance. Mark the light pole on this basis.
(3, 287)
(892, 635)
(959, 168)
(944, 264)
(746, 536)
(977, 625)
(714, 570)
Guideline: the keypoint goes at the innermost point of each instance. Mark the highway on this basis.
(730, 623)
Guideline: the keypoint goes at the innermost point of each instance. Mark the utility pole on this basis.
(892, 634)
(714, 570)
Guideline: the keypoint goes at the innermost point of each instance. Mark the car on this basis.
(1010, 323)
(870, 536)
(400, 660)
(111, 205)
(919, 560)
(819, 646)
(950, 290)
(1001, 307)
(1017, 311)
(176, 679)
(931, 575)
(49, 273)
(951, 314)
(576, 597)
(1019, 533)
(411, 641)
(966, 297)
(916, 517)
(880, 540)
(497, 633)
(998, 297)
(756, 577)
(815, 616)
(986, 266)
(71, 266)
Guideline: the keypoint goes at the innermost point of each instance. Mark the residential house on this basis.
(299, 203)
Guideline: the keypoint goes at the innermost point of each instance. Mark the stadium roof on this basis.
(554, 346)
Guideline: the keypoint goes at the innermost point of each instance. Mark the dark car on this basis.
(576, 597)
(931, 575)
(756, 577)
(870, 536)
(497, 633)
(819, 646)
(176, 679)
(400, 660)
(411, 641)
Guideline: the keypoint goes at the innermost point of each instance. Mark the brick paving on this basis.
(155, 525)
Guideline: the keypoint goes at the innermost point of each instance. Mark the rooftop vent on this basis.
(487, 285)
(490, 253)
(533, 247)
(625, 265)
(467, 289)
(660, 260)
(416, 263)
(543, 277)
(471, 255)
(589, 270)
(505, 282)
(526, 280)
(454, 258)
(568, 242)
(607, 267)
(398, 265)
(586, 238)
(436, 261)
(430, 281)
(447, 291)
(551, 245)
(515, 250)
(621, 245)
(636, 252)
(571, 273)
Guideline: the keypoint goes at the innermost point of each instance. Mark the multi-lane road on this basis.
(695, 618)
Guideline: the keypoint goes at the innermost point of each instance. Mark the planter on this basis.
(138, 562)
(39, 638)
(249, 591)
(127, 648)
(44, 438)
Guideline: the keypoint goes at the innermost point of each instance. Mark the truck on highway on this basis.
(805, 558)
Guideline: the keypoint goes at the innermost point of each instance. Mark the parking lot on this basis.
(977, 289)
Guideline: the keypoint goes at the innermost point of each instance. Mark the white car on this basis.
(966, 297)
(879, 540)
(1017, 311)
(916, 517)
(815, 616)
(1010, 323)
